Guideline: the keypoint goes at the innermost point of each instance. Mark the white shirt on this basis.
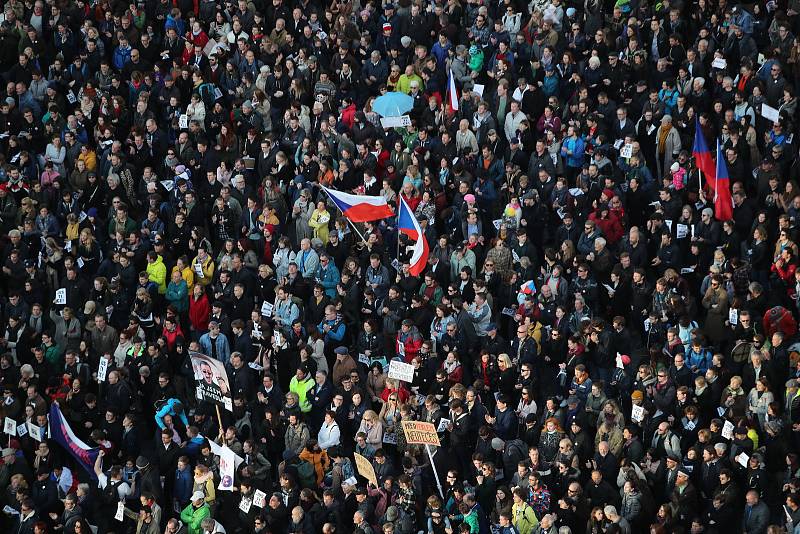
(328, 436)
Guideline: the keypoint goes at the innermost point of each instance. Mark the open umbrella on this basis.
(393, 104)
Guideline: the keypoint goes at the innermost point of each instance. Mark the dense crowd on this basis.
(600, 346)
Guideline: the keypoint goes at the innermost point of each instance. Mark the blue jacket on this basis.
(169, 409)
(701, 360)
(121, 57)
(329, 277)
(577, 147)
(184, 482)
(287, 312)
(336, 333)
(223, 348)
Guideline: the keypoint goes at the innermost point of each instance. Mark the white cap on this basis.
(198, 495)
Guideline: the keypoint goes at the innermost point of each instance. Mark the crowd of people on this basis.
(600, 346)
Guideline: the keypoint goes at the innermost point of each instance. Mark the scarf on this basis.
(662, 139)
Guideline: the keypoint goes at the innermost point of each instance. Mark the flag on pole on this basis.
(61, 433)
(407, 224)
(360, 208)
(723, 203)
(452, 92)
(702, 155)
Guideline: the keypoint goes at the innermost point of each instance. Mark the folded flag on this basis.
(702, 155)
(360, 208)
(723, 202)
(61, 433)
(407, 224)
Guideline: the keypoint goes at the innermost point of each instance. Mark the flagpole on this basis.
(397, 224)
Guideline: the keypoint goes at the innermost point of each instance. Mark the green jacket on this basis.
(178, 295)
(525, 519)
(302, 388)
(192, 517)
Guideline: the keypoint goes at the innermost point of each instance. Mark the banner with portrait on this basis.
(212, 380)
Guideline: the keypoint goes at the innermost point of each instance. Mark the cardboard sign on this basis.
(266, 309)
(120, 514)
(626, 151)
(442, 424)
(637, 414)
(259, 498)
(10, 426)
(102, 370)
(245, 504)
(35, 432)
(365, 469)
(396, 122)
(727, 430)
(61, 296)
(22, 430)
(401, 371)
(770, 113)
(420, 433)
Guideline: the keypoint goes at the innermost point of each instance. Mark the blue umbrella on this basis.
(393, 104)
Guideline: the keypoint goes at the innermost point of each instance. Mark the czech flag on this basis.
(701, 154)
(61, 433)
(528, 288)
(452, 92)
(723, 203)
(360, 208)
(407, 223)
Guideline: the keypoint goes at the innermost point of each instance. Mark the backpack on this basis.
(306, 476)
(109, 495)
(741, 352)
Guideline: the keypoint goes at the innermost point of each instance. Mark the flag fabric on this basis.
(701, 154)
(360, 208)
(407, 224)
(452, 93)
(528, 288)
(723, 203)
(61, 433)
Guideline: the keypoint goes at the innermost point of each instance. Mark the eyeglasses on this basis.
(490, 264)
(662, 376)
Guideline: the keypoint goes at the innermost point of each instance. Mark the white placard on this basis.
(10, 426)
(61, 296)
(637, 413)
(22, 430)
(496, 223)
(390, 439)
(742, 459)
(259, 498)
(80, 262)
(227, 468)
(626, 151)
(681, 230)
(478, 89)
(733, 316)
(442, 424)
(508, 311)
(102, 370)
(401, 371)
(770, 113)
(668, 222)
(727, 430)
(183, 121)
(198, 268)
(8, 510)
(401, 349)
(68, 246)
(396, 122)
(120, 514)
(208, 49)
(245, 504)
(169, 185)
(82, 217)
(719, 63)
(35, 431)
(71, 97)
(363, 358)
(266, 309)
(228, 403)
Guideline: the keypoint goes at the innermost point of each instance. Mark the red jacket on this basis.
(199, 312)
(611, 227)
